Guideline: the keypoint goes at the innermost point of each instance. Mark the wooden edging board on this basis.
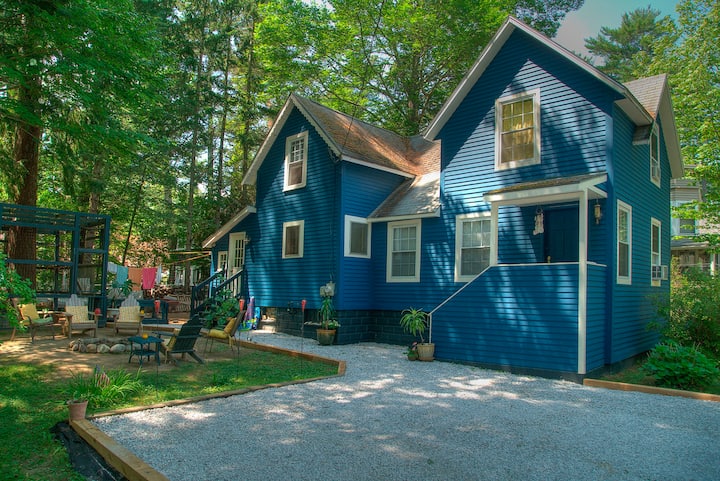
(621, 386)
(134, 468)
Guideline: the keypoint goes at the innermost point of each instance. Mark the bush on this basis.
(680, 367)
(692, 314)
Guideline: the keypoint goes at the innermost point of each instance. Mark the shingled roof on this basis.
(648, 91)
(356, 141)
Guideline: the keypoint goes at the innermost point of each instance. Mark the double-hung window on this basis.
(292, 241)
(357, 237)
(655, 157)
(296, 148)
(656, 273)
(624, 243)
(472, 245)
(517, 130)
(403, 257)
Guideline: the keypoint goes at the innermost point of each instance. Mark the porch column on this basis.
(493, 233)
(582, 281)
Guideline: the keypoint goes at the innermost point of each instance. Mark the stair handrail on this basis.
(203, 291)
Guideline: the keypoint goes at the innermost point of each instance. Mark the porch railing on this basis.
(203, 292)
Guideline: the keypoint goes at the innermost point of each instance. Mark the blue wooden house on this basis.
(531, 219)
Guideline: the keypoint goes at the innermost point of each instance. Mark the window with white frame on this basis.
(222, 260)
(655, 157)
(655, 252)
(472, 245)
(517, 130)
(403, 257)
(296, 148)
(624, 243)
(357, 237)
(292, 242)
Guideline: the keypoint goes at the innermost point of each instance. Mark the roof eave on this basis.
(228, 226)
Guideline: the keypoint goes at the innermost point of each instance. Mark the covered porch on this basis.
(541, 303)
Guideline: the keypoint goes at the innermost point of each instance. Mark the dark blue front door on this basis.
(561, 235)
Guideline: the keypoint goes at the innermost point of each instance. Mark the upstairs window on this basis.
(655, 252)
(655, 157)
(292, 242)
(624, 243)
(517, 130)
(296, 161)
(357, 237)
(472, 246)
(403, 259)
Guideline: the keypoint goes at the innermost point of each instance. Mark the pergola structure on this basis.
(72, 252)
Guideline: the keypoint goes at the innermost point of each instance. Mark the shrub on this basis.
(680, 367)
(692, 313)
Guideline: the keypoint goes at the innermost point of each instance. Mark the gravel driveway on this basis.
(391, 419)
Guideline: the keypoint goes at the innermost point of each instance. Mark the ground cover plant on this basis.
(32, 400)
(688, 355)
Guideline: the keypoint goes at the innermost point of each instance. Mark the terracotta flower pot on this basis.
(77, 409)
(326, 336)
(426, 351)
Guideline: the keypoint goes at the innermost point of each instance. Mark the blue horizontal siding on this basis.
(522, 316)
(596, 317)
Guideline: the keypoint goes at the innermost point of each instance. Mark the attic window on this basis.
(655, 157)
(296, 161)
(517, 130)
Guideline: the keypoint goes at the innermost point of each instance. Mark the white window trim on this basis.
(535, 95)
(220, 263)
(655, 223)
(655, 180)
(288, 144)
(458, 241)
(232, 258)
(626, 207)
(349, 220)
(301, 238)
(391, 226)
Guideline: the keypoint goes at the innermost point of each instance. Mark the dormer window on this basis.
(517, 130)
(655, 157)
(296, 161)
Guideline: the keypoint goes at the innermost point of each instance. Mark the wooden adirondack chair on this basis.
(182, 341)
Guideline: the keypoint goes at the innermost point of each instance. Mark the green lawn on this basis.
(32, 401)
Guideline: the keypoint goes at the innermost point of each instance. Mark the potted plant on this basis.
(328, 324)
(414, 321)
(412, 352)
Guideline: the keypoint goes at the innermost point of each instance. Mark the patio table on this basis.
(144, 349)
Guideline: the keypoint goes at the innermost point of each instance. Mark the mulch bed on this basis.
(84, 459)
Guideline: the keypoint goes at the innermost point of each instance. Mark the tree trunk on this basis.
(26, 155)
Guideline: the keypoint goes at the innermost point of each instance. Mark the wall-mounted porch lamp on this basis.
(597, 212)
(539, 221)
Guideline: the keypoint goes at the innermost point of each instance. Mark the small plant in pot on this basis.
(414, 321)
(328, 324)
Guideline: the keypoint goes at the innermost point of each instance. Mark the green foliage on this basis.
(414, 321)
(327, 313)
(220, 308)
(103, 390)
(680, 367)
(13, 286)
(627, 51)
(692, 313)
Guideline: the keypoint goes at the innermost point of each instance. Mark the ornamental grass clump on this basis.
(102, 389)
(680, 367)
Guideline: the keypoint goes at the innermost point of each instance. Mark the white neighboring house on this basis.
(687, 250)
